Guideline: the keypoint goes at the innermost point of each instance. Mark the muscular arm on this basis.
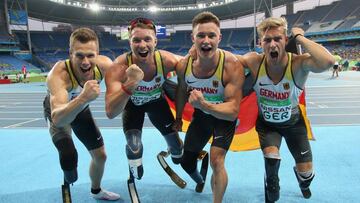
(233, 79)
(318, 58)
(118, 78)
(62, 111)
(181, 89)
(104, 63)
(170, 60)
(251, 61)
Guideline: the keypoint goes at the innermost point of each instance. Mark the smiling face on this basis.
(206, 37)
(82, 58)
(143, 42)
(273, 43)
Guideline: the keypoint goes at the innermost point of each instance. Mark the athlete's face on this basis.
(82, 56)
(143, 42)
(273, 43)
(206, 38)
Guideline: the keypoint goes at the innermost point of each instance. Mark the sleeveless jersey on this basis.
(277, 102)
(76, 88)
(212, 87)
(148, 91)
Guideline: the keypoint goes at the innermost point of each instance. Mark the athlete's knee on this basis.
(99, 155)
(134, 147)
(175, 146)
(217, 161)
(134, 152)
(68, 159)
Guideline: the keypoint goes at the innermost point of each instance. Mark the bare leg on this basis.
(219, 178)
(303, 167)
(97, 167)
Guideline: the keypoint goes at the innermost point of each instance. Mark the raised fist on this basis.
(91, 90)
(134, 73)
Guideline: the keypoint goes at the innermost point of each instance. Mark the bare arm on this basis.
(120, 82)
(104, 63)
(251, 61)
(233, 79)
(181, 93)
(64, 112)
(318, 59)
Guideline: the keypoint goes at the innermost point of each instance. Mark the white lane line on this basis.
(337, 114)
(337, 101)
(327, 86)
(322, 106)
(19, 124)
(333, 97)
(334, 124)
(334, 107)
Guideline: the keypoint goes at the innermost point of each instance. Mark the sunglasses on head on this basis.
(144, 21)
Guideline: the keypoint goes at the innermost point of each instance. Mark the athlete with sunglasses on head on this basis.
(135, 98)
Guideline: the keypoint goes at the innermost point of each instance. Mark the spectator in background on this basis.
(23, 70)
(337, 65)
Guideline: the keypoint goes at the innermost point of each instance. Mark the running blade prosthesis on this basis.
(66, 195)
(132, 189)
(203, 156)
(174, 177)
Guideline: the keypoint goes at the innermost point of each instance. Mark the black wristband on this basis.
(297, 35)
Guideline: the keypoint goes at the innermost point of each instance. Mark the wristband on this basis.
(126, 90)
(297, 35)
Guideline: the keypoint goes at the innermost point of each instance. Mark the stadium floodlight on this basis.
(126, 8)
(153, 9)
(200, 6)
(95, 7)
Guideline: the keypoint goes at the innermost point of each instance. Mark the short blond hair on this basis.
(270, 23)
(83, 35)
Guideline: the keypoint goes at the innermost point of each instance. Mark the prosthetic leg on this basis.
(304, 183)
(68, 161)
(175, 150)
(134, 151)
(271, 180)
(66, 195)
(132, 189)
(204, 158)
(174, 176)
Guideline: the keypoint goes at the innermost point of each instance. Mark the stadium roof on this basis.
(61, 12)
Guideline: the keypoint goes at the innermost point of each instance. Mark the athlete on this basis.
(212, 83)
(279, 80)
(146, 96)
(72, 84)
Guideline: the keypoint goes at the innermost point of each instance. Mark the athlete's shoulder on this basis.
(103, 62)
(229, 57)
(121, 59)
(58, 75)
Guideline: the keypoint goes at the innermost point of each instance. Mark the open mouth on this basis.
(274, 54)
(206, 48)
(84, 70)
(143, 53)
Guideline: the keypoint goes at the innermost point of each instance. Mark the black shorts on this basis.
(335, 67)
(158, 111)
(294, 133)
(203, 126)
(83, 126)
